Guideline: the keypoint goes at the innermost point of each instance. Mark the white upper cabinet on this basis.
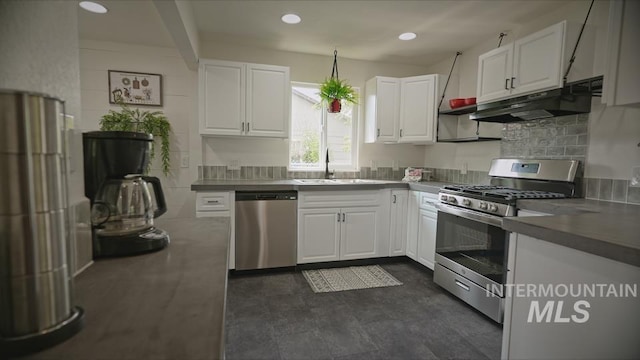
(241, 99)
(538, 60)
(494, 73)
(221, 97)
(401, 109)
(622, 75)
(382, 109)
(533, 63)
(418, 112)
(268, 100)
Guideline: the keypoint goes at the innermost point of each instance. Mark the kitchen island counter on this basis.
(162, 305)
(602, 228)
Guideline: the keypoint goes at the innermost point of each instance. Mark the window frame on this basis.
(355, 119)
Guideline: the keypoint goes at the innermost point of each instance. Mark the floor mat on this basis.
(349, 278)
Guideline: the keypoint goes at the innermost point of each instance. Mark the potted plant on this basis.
(333, 91)
(154, 123)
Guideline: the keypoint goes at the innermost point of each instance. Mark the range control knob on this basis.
(452, 199)
(483, 205)
(444, 197)
(466, 202)
(493, 208)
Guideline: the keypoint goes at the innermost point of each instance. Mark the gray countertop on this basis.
(279, 185)
(163, 305)
(602, 228)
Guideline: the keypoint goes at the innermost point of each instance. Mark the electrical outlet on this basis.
(234, 165)
(465, 168)
(395, 165)
(374, 165)
(184, 160)
(635, 176)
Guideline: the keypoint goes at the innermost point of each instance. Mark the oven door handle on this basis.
(470, 214)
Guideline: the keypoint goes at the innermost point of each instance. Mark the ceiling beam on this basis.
(179, 21)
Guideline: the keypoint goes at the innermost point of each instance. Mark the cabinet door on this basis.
(494, 74)
(382, 109)
(538, 59)
(622, 77)
(398, 228)
(359, 236)
(413, 214)
(221, 97)
(418, 111)
(427, 238)
(268, 99)
(318, 235)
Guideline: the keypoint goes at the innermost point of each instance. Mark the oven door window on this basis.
(479, 247)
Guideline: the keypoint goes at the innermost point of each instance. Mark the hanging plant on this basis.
(333, 90)
(154, 123)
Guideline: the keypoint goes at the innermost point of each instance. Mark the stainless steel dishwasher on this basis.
(266, 229)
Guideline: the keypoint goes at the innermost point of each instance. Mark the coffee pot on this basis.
(124, 206)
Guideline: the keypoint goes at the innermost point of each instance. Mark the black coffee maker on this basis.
(122, 209)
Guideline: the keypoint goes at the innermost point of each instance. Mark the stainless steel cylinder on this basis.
(35, 283)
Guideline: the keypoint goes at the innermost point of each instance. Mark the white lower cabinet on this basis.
(427, 237)
(413, 214)
(398, 224)
(358, 235)
(318, 235)
(220, 204)
(342, 232)
(422, 221)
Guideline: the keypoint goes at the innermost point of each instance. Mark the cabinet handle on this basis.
(378, 132)
(343, 217)
(506, 84)
(243, 127)
(465, 287)
(394, 199)
(247, 126)
(400, 132)
(338, 217)
(512, 82)
(212, 201)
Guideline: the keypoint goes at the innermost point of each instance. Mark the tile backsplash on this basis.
(381, 173)
(612, 190)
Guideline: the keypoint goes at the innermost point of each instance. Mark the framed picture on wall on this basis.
(135, 88)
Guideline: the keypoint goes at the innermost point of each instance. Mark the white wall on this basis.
(613, 132)
(313, 69)
(39, 53)
(179, 89)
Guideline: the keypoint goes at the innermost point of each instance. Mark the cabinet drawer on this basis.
(323, 199)
(212, 201)
(428, 201)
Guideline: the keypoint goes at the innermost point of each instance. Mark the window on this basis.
(314, 130)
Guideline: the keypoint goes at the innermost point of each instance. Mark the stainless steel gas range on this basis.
(471, 246)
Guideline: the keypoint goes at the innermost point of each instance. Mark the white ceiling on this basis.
(365, 30)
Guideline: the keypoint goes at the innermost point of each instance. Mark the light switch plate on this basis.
(184, 160)
(635, 176)
(394, 165)
(234, 165)
(374, 165)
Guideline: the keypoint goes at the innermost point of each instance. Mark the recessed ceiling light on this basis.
(93, 7)
(407, 36)
(291, 18)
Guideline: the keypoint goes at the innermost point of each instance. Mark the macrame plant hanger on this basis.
(335, 106)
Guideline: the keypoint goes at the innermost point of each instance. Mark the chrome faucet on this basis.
(327, 173)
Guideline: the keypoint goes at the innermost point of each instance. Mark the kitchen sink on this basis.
(315, 181)
(358, 181)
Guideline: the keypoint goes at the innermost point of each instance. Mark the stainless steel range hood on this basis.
(574, 98)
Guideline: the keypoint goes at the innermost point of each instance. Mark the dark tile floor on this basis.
(278, 316)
